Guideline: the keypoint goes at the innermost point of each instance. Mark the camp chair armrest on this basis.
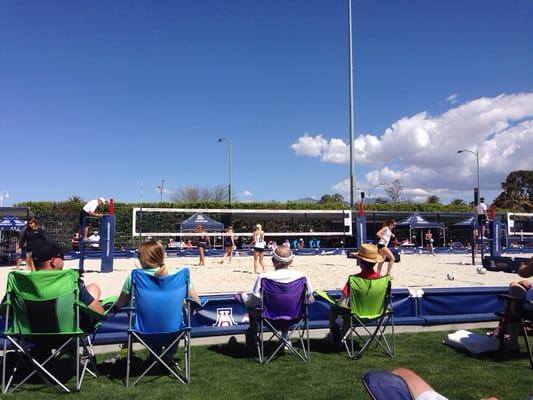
(513, 298)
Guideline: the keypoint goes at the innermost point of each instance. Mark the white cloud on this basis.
(246, 193)
(452, 99)
(421, 150)
(334, 150)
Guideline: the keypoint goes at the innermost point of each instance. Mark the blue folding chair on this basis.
(383, 385)
(159, 317)
(284, 311)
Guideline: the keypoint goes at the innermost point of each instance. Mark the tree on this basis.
(433, 199)
(332, 199)
(75, 199)
(394, 190)
(457, 202)
(517, 192)
(194, 194)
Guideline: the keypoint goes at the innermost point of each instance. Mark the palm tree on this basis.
(433, 199)
(457, 202)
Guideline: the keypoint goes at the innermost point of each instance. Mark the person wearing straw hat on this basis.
(367, 257)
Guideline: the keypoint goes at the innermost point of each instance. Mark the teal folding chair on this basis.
(43, 308)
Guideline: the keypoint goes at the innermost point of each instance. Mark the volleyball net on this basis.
(174, 222)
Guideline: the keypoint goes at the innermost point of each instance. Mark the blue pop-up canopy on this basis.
(11, 224)
(415, 221)
(208, 223)
(467, 223)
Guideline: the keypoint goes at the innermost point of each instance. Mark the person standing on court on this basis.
(258, 245)
(89, 210)
(385, 234)
(31, 235)
(429, 242)
(482, 215)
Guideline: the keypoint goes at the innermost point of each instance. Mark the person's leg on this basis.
(415, 383)
(230, 254)
(256, 256)
(387, 254)
(29, 261)
(261, 256)
(380, 266)
(201, 251)
(515, 308)
(94, 290)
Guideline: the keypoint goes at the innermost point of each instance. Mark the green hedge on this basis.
(60, 219)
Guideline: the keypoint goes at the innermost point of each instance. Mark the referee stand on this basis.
(106, 243)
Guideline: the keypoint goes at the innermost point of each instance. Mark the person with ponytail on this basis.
(152, 260)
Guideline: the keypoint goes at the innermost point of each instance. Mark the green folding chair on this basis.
(370, 315)
(43, 307)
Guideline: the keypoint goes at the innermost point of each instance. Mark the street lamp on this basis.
(477, 169)
(3, 195)
(161, 189)
(350, 105)
(228, 141)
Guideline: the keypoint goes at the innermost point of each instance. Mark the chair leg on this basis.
(39, 367)
(526, 339)
(128, 361)
(77, 361)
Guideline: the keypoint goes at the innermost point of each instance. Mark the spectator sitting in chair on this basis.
(281, 260)
(152, 259)
(367, 258)
(48, 256)
(523, 290)
(94, 239)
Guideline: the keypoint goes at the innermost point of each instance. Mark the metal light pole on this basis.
(228, 141)
(161, 190)
(350, 83)
(3, 195)
(477, 167)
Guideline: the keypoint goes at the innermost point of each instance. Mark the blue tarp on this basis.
(415, 221)
(467, 223)
(208, 223)
(12, 224)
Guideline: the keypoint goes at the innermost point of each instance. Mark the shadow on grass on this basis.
(116, 371)
(63, 369)
(239, 350)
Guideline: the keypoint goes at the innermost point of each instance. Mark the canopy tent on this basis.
(208, 223)
(415, 221)
(467, 223)
(12, 224)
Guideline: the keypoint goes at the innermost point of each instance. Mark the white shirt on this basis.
(95, 239)
(282, 275)
(481, 208)
(91, 206)
(386, 237)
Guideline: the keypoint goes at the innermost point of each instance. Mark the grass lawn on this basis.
(226, 372)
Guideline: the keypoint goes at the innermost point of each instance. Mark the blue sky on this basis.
(97, 97)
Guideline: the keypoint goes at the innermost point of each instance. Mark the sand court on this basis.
(324, 271)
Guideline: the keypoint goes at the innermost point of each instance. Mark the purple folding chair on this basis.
(284, 313)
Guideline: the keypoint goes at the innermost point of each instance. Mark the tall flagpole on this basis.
(350, 83)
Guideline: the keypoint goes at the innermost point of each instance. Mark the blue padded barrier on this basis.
(460, 305)
(223, 315)
(92, 254)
